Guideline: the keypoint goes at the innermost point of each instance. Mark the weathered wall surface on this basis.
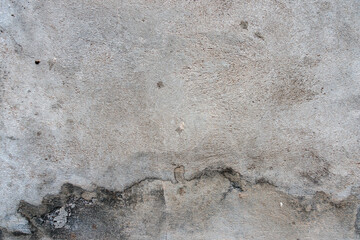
(99, 95)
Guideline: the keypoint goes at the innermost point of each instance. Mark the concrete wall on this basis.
(107, 94)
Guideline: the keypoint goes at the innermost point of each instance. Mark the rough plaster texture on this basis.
(105, 94)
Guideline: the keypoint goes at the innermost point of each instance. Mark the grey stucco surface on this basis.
(109, 93)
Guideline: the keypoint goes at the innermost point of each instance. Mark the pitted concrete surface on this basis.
(105, 94)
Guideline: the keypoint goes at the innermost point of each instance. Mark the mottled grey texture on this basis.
(108, 93)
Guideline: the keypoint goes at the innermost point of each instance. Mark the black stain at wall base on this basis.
(157, 209)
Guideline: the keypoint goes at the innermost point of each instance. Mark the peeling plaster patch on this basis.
(193, 208)
(61, 219)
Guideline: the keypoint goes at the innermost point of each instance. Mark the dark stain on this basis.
(108, 214)
(70, 122)
(293, 84)
(17, 234)
(315, 176)
(38, 134)
(320, 170)
(179, 174)
(357, 222)
(4, 77)
(181, 191)
(263, 181)
(112, 214)
(235, 178)
(5, 234)
(103, 217)
(244, 25)
(225, 194)
(259, 35)
(72, 236)
(37, 62)
(251, 166)
(57, 105)
(179, 130)
(12, 138)
(17, 47)
(311, 62)
(160, 84)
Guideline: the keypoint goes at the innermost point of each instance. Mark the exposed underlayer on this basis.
(214, 204)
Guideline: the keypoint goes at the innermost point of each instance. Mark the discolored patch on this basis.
(259, 35)
(357, 222)
(160, 84)
(293, 84)
(244, 25)
(179, 174)
(4, 77)
(319, 169)
(156, 209)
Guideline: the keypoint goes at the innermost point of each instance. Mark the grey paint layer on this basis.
(108, 93)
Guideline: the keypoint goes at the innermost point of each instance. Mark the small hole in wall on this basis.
(37, 62)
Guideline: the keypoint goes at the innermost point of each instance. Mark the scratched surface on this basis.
(108, 93)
